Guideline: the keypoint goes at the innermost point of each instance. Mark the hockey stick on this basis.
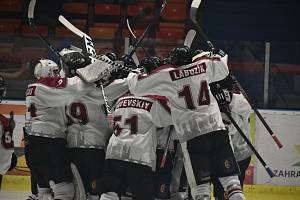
(134, 36)
(33, 27)
(87, 39)
(129, 47)
(164, 157)
(267, 168)
(273, 135)
(193, 14)
(89, 48)
(138, 42)
(189, 38)
(17, 74)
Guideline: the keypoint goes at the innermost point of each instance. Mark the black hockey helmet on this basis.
(180, 56)
(128, 62)
(166, 61)
(2, 88)
(73, 58)
(150, 63)
(112, 56)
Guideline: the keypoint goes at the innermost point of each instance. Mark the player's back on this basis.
(194, 109)
(135, 120)
(88, 126)
(45, 101)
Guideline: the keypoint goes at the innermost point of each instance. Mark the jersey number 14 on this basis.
(203, 96)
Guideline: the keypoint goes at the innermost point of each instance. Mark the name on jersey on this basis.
(30, 91)
(134, 103)
(191, 71)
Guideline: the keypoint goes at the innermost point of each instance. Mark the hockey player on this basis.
(46, 126)
(196, 117)
(240, 110)
(8, 159)
(131, 152)
(88, 129)
(130, 156)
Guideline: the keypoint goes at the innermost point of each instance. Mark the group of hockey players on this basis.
(97, 130)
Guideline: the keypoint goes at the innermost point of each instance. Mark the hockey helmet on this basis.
(180, 56)
(112, 56)
(46, 68)
(128, 62)
(150, 63)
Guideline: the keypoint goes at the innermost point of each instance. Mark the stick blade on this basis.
(31, 9)
(70, 26)
(189, 37)
(194, 8)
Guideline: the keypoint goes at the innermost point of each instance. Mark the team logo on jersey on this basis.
(227, 164)
(93, 185)
(162, 188)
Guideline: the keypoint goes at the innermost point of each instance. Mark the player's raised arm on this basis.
(216, 64)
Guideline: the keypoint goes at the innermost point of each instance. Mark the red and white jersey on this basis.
(46, 100)
(88, 125)
(7, 144)
(193, 107)
(135, 120)
(240, 112)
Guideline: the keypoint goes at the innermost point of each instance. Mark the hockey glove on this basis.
(223, 98)
(219, 52)
(100, 70)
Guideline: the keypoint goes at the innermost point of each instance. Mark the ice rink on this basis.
(251, 194)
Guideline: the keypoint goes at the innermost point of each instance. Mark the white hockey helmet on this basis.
(46, 68)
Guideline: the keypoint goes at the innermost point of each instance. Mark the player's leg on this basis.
(243, 165)
(113, 181)
(141, 181)
(36, 160)
(218, 190)
(33, 178)
(197, 164)
(59, 171)
(163, 175)
(90, 164)
(178, 177)
(226, 167)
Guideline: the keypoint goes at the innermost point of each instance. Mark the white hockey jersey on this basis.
(88, 125)
(135, 120)
(46, 100)
(193, 107)
(6, 146)
(240, 112)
